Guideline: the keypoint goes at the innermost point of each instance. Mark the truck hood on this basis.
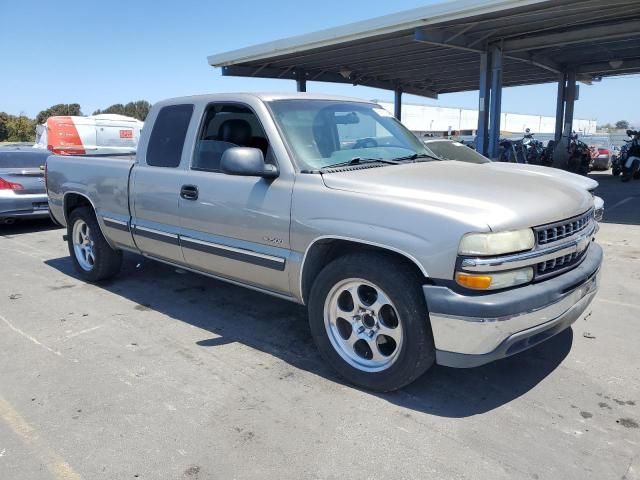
(578, 181)
(501, 199)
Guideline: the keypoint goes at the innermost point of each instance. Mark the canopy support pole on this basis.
(397, 103)
(570, 102)
(482, 133)
(495, 106)
(562, 88)
(301, 81)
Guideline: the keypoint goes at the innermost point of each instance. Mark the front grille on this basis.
(566, 228)
(558, 264)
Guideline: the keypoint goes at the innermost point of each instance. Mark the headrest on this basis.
(236, 131)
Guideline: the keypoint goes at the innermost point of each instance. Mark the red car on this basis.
(600, 157)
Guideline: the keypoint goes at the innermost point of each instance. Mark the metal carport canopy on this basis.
(435, 49)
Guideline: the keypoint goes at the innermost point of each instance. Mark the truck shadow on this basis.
(279, 328)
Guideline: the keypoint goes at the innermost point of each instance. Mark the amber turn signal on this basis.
(477, 282)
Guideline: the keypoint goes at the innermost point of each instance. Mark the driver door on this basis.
(233, 226)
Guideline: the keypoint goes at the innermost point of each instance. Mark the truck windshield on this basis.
(322, 133)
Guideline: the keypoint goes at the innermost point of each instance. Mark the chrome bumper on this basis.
(474, 330)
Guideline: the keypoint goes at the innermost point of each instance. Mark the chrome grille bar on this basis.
(550, 233)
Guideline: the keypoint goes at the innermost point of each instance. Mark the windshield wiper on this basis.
(416, 156)
(358, 161)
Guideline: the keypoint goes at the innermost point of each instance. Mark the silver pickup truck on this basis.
(403, 260)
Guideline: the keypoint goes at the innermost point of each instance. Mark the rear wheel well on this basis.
(73, 201)
(323, 252)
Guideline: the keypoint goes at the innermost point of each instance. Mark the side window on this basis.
(225, 126)
(168, 134)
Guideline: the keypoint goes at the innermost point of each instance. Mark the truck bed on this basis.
(104, 179)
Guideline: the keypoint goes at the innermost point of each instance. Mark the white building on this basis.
(429, 118)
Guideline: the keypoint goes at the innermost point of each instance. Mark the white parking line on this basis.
(29, 337)
(82, 332)
(621, 202)
(614, 302)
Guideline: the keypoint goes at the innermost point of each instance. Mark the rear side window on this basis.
(167, 136)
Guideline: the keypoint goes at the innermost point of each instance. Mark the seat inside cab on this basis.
(226, 126)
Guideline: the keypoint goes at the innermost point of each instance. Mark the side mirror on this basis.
(247, 162)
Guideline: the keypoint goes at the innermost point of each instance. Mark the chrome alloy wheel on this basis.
(363, 325)
(83, 245)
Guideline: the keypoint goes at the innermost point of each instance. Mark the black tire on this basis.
(403, 287)
(107, 260)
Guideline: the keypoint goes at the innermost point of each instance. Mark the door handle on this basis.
(189, 192)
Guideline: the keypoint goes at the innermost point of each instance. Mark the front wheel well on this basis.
(324, 251)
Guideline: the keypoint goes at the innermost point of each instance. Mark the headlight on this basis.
(495, 281)
(497, 243)
(598, 208)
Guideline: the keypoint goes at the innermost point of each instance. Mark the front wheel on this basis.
(369, 320)
(93, 258)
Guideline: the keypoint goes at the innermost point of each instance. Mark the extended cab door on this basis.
(233, 226)
(155, 185)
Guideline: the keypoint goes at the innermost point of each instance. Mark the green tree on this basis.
(59, 109)
(21, 129)
(622, 124)
(4, 128)
(117, 108)
(139, 109)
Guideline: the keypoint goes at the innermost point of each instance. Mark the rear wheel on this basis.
(369, 320)
(93, 258)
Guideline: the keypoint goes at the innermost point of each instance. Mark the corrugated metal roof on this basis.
(434, 49)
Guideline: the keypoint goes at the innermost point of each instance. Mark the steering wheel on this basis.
(366, 143)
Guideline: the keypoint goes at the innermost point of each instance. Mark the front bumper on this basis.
(473, 330)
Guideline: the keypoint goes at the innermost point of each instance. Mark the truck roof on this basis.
(264, 96)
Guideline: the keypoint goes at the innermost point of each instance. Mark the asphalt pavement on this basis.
(162, 374)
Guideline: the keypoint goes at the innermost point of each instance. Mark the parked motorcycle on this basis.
(532, 149)
(512, 151)
(618, 159)
(631, 161)
(506, 152)
(546, 157)
(579, 156)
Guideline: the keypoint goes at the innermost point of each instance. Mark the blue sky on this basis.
(100, 53)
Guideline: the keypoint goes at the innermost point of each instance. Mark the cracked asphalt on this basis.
(162, 374)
